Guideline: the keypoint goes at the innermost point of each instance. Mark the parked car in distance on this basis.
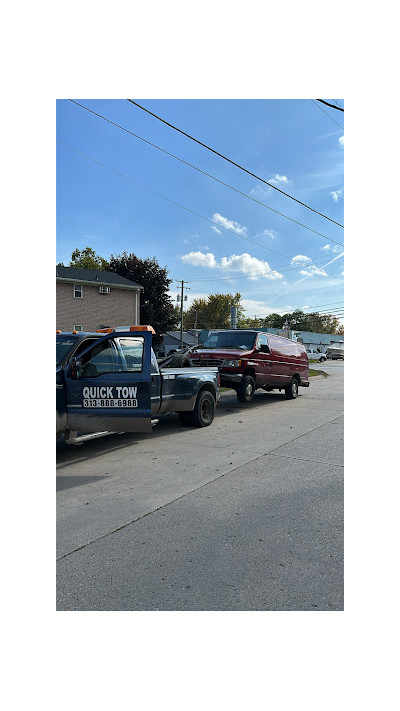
(315, 355)
(248, 360)
(335, 353)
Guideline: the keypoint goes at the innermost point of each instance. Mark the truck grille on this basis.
(207, 362)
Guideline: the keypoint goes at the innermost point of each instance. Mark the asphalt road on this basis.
(246, 514)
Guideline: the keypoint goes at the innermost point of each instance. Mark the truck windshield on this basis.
(241, 340)
(63, 345)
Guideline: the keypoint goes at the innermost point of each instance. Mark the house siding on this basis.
(121, 307)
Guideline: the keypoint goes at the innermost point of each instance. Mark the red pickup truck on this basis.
(248, 360)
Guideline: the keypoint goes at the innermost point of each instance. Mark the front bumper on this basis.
(227, 379)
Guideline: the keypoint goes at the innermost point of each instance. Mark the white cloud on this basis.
(278, 179)
(336, 248)
(252, 307)
(229, 224)
(313, 271)
(268, 233)
(245, 263)
(300, 260)
(336, 194)
(341, 140)
(249, 265)
(216, 229)
(199, 259)
(261, 190)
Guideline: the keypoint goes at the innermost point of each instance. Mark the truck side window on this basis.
(154, 364)
(103, 358)
(132, 348)
(263, 343)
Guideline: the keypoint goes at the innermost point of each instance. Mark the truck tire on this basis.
(321, 360)
(291, 390)
(180, 361)
(204, 410)
(246, 388)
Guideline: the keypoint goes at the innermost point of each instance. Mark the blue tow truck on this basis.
(110, 381)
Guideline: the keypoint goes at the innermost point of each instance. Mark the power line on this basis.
(171, 201)
(233, 162)
(326, 114)
(181, 160)
(177, 204)
(338, 108)
(255, 274)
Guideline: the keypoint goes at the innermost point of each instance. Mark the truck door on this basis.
(263, 358)
(108, 385)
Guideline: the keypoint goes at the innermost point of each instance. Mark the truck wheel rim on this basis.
(294, 387)
(249, 390)
(206, 410)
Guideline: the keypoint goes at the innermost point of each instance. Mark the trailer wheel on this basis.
(292, 389)
(204, 410)
(245, 390)
(180, 361)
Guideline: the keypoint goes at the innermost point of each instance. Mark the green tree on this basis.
(87, 259)
(255, 322)
(314, 322)
(212, 312)
(274, 321)
(156, 307)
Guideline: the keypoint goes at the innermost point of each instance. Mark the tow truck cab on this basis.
(109, 381)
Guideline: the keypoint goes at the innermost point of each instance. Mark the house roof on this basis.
(91, 276)
(323, 339)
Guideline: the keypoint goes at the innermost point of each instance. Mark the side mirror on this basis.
(264, 349)
(75, 369)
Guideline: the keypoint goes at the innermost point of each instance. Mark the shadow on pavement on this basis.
(228, 404)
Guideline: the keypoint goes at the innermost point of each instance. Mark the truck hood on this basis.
(220, 353)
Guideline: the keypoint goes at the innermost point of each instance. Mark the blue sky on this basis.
(275, 264)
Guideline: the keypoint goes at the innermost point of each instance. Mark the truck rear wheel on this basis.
(204, 410)
(292, 389)
(245, 390)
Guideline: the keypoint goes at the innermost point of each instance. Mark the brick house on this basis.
(88, 299)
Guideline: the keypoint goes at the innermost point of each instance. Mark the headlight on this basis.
(232, 363)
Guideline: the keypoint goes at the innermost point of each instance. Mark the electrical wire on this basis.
(256, 274)
(181, 160)
(172, 201)
(177, 204)
(233, 162)
(338, 108)
(326, 114)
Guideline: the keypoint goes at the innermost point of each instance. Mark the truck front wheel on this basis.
(204, 410)
(246, 389)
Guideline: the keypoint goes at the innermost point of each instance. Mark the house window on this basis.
(78, 291)
(77, 328)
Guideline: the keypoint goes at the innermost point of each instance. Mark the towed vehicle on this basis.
(109, 381)
(248, 360)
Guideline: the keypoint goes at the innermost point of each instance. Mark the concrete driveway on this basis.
(246, 514)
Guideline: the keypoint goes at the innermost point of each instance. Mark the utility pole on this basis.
(182, 282)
